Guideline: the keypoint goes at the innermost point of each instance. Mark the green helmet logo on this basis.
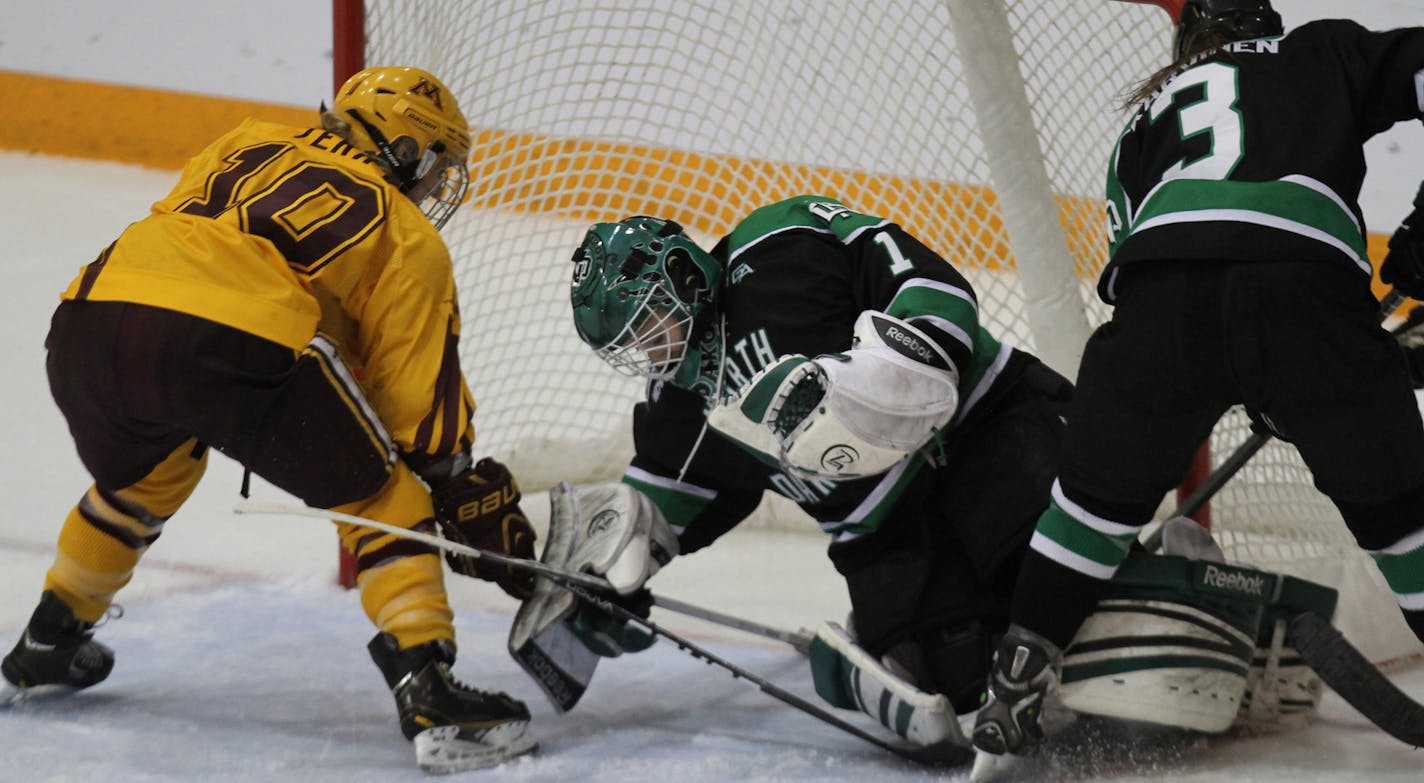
(638, 285)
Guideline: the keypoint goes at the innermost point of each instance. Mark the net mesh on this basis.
(703, 110)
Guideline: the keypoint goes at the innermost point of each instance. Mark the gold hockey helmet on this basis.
(410, 123)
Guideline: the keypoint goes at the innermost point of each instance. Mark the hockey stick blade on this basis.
(593, 590)
(1350, 674)
(939, 754)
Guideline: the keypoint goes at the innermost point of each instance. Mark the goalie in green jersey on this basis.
(831, 357)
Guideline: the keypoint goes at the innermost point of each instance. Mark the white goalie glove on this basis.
(850, 415)
(610, 530)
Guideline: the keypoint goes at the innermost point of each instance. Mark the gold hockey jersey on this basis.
(282, 231)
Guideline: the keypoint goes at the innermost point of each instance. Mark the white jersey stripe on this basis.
(638, 474)
(1088, 519)
(1068, 558)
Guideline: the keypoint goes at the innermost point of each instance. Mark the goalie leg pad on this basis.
(1171, 644)
(1282, 691)
(848, 677)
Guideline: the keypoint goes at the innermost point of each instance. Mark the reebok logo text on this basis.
(1234, 581)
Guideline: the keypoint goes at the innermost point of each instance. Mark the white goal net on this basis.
(981, 126)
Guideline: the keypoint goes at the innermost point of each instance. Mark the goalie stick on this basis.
(589, 588)
(800, 640)
(1350, 674)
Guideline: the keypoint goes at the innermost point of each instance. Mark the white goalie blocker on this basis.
(851, 415)
(610, 530)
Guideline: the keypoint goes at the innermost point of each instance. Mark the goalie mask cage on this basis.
(981, 126)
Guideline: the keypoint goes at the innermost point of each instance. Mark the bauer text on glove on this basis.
(479, 507)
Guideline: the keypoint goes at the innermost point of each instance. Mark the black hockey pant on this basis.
(1299, 344)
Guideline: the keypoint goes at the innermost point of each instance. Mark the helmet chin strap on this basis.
(406, 173)
(716, 393)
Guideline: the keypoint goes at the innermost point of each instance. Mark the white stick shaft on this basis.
(253, 507)
(800, 640)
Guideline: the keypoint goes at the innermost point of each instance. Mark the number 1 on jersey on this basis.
(898, 262)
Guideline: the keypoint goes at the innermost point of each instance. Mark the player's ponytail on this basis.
(1202, 39)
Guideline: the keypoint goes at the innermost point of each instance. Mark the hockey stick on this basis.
(1359, 682)
(800, 640)
(593, 590)
(583, 580)
(1213, 484)
(1243, 453)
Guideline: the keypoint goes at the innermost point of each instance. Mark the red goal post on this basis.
(1172, 7)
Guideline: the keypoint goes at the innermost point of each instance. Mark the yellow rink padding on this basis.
(601, 180)
(539, 174)
(154, 128)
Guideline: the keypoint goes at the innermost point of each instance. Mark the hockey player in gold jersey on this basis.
(291, 304)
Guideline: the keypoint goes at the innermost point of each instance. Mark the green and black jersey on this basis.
(1229, 160)
(798, 273)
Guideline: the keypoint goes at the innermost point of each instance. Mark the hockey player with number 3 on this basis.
(1239, 275)
(236, 316)
(831, 357)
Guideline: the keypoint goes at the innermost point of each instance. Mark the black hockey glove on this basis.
(1021, 679)
(1410, 336)
(609, 636)
(479, 507)
(1403, 265)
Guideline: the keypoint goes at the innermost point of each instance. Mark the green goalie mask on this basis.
(638, 287)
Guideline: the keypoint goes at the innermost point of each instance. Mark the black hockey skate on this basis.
(1021, 679)
(56, 654)
(454, 727)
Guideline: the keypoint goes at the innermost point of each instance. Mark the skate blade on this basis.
(990, 767)
(445, 749)
(12, 696)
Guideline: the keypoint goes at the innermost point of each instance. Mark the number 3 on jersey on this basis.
(1215, 114)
